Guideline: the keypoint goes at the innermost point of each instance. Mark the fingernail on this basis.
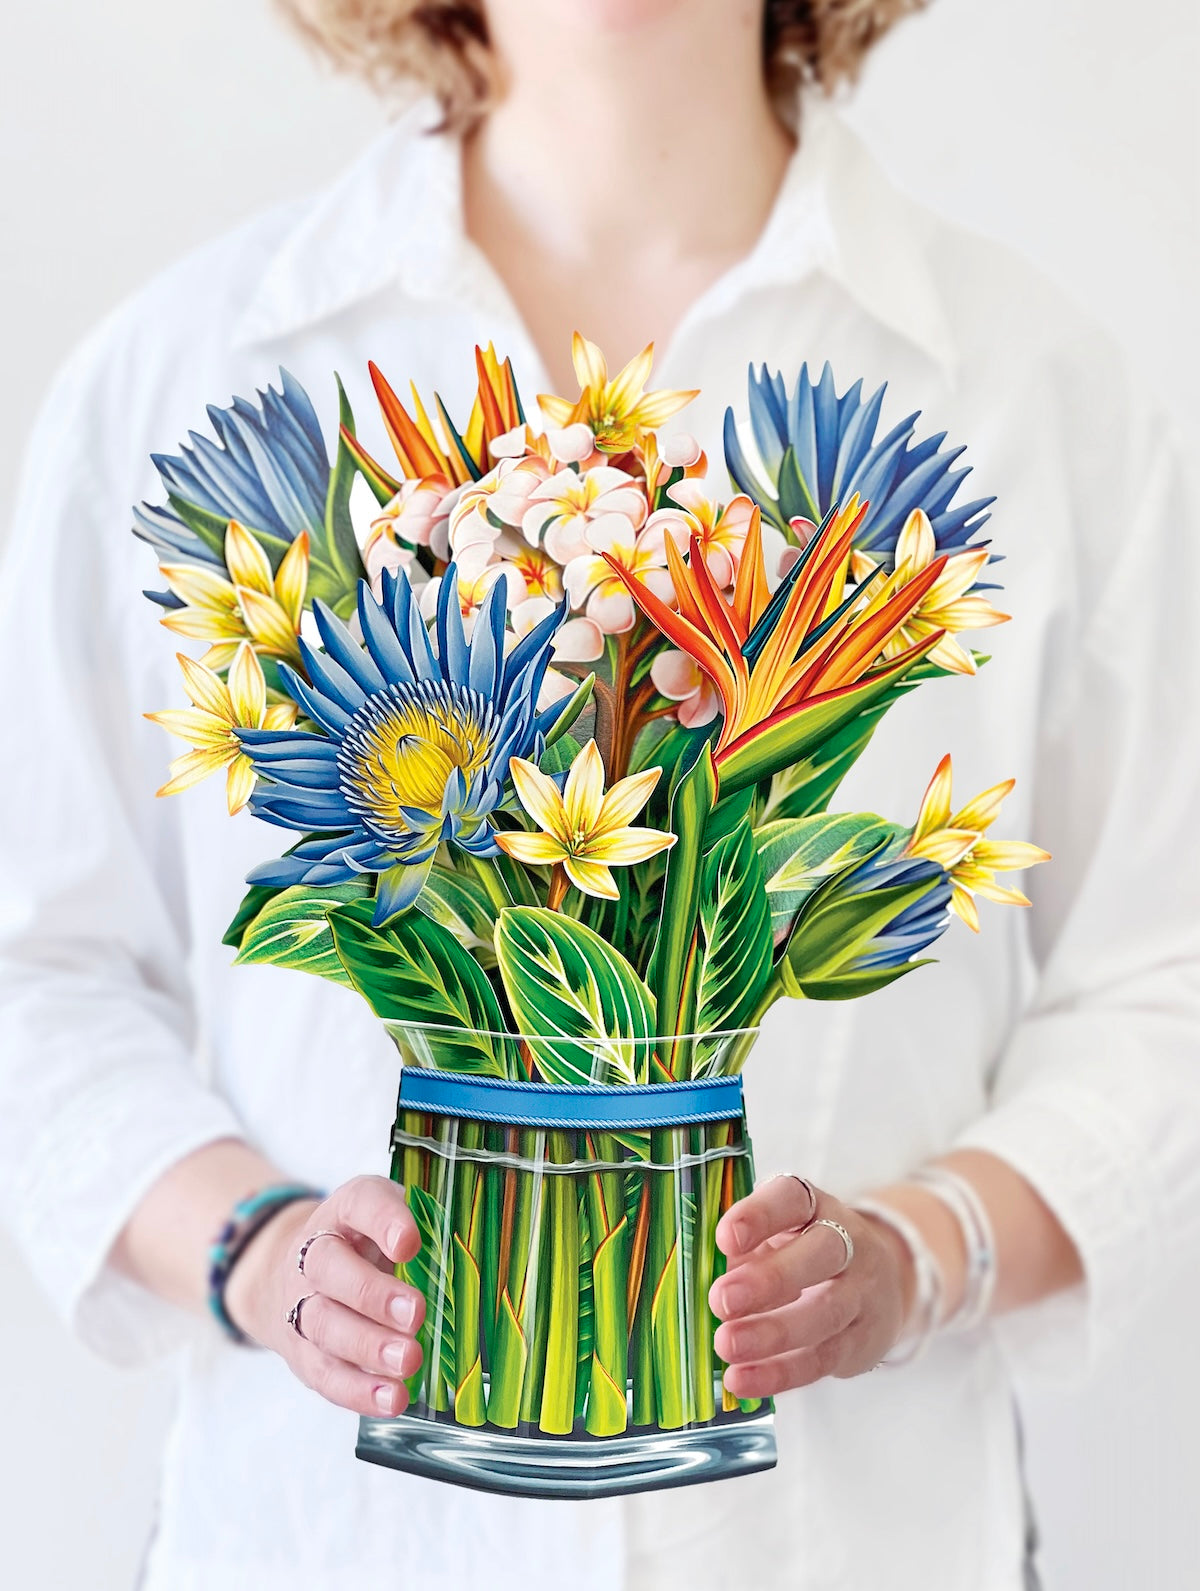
(403, 1310)
(395, 1356)
(385, 1398)
(741, 1233)
(733, 1299)
(393, 1241)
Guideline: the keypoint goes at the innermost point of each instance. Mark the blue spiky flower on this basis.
(867, 926)
(817, 449)
(267, 469)
(916, 924)
(415, 745)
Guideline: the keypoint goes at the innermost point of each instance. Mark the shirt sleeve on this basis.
(1096, 1099)
(99, 1087)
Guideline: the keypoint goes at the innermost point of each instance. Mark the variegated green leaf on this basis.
(734, 951)
(586, 1013)
(426, 989)
(292, 930)
(460, 904)
(430, 1272)
(799, 854)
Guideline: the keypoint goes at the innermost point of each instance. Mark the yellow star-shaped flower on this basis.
(949, 605)
(618, 412)
(218, 709)
(584, 830)
(252, 604)
(957, 844)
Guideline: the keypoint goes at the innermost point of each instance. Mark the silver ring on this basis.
(308, 1243)
(836, 1226)
(293, 1314)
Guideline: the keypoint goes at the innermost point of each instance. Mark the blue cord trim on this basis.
(594, 1105)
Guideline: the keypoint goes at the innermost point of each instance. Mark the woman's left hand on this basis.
(792, 1310)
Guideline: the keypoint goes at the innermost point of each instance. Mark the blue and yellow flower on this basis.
(867, 927)
(817, 449)
(413, 746)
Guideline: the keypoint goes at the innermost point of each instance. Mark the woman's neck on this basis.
(626, 167)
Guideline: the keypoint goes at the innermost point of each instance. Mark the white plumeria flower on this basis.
(512, 444)
(677, 677)
(415, 517)
(593, 586)
(497, 499)
(573, 444)
(721, 531)
(562, 508)
(679, 451)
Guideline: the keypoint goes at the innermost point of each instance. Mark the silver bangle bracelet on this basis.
(979, 1241)
(930, 1285)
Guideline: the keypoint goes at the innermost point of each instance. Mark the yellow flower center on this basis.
(403, 747)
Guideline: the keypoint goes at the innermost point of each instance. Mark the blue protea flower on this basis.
(416, 746)
(267, 469)
(817, 449)
(867, 926)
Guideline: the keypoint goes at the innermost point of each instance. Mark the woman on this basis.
(639, 171)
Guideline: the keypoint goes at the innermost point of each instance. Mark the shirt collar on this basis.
(395, 219)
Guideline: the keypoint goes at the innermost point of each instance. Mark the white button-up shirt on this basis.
(1063, 1039)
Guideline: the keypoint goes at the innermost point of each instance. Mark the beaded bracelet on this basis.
(246, 1220)
(979, 1241)
(927, 1273)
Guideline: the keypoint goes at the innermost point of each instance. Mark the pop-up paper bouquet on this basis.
(557, 730)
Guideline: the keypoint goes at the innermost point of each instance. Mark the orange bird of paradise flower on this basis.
(793, 665)
(440, 452)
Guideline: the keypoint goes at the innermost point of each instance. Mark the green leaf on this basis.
(558, 757)
(337, 546)
(587, 1014)
(667, 1333)
(795, 499)
(571, 712)
(468, 1367)
(459, 903)
(430, 1272)
(779, 743)
(506, 1373)
(557, 1414)
(607, 1413)
(798, 855)
(414, 972)
(383, 486)
(852, 985)
(672, 967)
(735, 944)
(292, 930)
(253, 901)
(808, 785)
(835, 929)
(209, 527)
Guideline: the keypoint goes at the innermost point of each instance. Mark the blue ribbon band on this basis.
(598, 1106)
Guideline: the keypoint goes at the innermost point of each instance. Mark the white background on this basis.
(132, 130)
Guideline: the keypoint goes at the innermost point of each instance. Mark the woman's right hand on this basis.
(359, 1322)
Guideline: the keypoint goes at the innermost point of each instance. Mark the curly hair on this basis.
(442, 45)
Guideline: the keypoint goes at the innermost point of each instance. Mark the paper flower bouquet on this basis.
(558, 731)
